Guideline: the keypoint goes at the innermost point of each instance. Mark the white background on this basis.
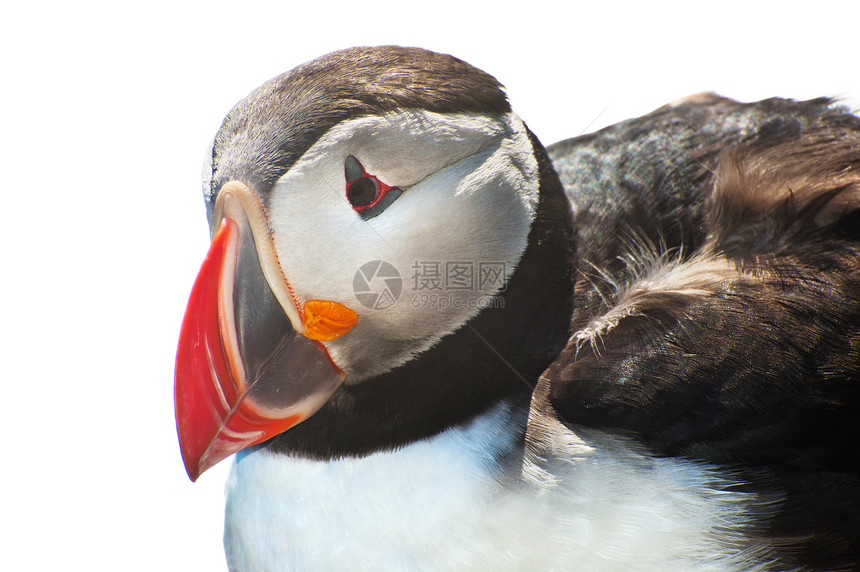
(107, 110)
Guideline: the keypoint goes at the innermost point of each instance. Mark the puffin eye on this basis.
(362, 192)
(368, 195)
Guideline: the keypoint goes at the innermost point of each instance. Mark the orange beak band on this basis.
(243, 372)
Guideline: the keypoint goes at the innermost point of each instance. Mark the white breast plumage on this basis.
(455, 502)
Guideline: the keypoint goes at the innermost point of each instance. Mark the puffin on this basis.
(434, 344)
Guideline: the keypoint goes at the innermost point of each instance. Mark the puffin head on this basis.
(390, 255)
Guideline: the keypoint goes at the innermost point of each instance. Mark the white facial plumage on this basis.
(470, 193)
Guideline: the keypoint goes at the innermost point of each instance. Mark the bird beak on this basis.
(250, 362)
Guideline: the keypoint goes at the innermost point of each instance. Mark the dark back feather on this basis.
(726, 327)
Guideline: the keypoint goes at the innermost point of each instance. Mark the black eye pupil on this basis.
(362, 192)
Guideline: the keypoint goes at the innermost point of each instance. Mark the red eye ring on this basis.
(363, 190)
(367, 187)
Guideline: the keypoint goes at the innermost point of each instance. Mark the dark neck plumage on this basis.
(497, 356)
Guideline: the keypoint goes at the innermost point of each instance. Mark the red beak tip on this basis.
(193, 472)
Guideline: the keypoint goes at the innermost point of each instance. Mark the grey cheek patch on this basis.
(391, 196)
